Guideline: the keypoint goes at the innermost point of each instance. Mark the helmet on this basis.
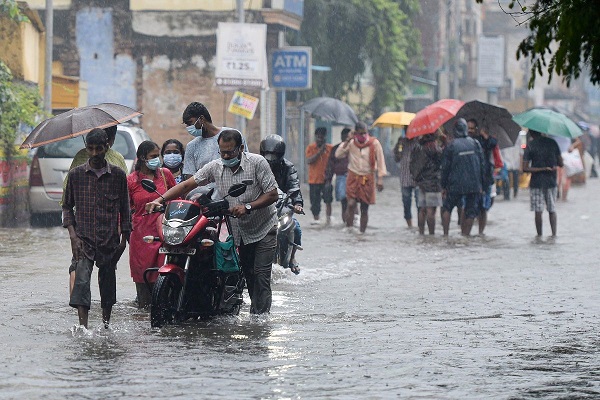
(272, 148)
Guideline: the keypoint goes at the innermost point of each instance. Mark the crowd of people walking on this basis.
(438, 170)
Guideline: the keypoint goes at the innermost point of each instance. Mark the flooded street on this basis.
(384, 315)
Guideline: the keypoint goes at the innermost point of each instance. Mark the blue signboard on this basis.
(291, 68)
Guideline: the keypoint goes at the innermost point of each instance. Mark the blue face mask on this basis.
(232, 162)
(172, 160)
(192, 130)
(153, 163)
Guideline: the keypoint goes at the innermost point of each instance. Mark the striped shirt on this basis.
(406, 179)
(254, 226)
(101, 202)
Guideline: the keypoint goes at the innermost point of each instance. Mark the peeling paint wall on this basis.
(155, 61)
(110, 77)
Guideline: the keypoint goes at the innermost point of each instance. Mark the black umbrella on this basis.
(330, 109)
(496, 121)
(78, 121)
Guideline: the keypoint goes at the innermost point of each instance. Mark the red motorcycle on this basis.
(201, 276)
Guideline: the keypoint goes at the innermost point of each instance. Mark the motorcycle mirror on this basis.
(237, 190)
(148, 185)
(201, 195)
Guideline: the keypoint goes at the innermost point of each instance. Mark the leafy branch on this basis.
(564, 38)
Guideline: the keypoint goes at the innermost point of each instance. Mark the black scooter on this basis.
(286, 247)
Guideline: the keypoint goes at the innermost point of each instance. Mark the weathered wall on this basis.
(10, 46)
(155, 61)
(110, 76)
(14, 189)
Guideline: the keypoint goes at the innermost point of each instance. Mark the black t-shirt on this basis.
(542, 152)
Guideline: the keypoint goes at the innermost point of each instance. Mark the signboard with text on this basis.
(241, 55)
(291, 68)
(243, 104)
(490, 61)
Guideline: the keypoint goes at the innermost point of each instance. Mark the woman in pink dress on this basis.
(144, 255)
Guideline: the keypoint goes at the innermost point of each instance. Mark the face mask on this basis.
(361, 138)
(192, 130)
(172, 160)
(232, 162)
(153, 163)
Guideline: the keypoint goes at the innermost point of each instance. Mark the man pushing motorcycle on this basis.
(272, 148)
(255, 227)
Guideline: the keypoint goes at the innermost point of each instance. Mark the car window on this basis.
(124, 145)
(63, 149)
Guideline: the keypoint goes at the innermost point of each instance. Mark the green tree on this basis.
(19, 103)
(351, 35)
(564, 37)
(10, 8)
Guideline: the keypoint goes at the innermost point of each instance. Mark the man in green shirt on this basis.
(113, 157)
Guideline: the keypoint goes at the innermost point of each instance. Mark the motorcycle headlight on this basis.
(174, 236)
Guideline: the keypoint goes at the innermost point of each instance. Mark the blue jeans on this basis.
(340, 187)
(297, 233)
(407, 192)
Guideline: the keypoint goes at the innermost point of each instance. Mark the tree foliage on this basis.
(10, 8)
(19, 103)
(351, 35)
(564, 37)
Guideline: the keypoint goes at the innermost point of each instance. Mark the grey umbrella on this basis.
(78, 121)
(497, 121)
(330, 109)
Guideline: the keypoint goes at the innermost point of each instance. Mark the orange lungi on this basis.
(361, 187)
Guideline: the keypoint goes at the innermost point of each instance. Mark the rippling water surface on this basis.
(387, 314)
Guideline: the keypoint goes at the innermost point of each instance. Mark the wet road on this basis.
(385, 315)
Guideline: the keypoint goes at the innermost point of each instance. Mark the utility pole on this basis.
(241, 121)
(457, 49)
(48, 60)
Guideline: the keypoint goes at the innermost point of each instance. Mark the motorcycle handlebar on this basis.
(156, 210)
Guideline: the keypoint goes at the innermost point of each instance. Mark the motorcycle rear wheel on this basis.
(164, 300)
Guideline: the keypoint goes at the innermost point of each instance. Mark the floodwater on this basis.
(385, 315)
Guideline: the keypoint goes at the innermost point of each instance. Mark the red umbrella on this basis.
(429, 119)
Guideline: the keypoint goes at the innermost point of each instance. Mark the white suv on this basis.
(50, 165)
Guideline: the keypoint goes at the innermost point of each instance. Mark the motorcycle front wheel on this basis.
(164, 300)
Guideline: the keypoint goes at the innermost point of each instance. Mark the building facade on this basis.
(158, 56)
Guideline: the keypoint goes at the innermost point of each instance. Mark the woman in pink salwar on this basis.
(144, 255)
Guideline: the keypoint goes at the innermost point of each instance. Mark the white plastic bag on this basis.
(572, 163)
